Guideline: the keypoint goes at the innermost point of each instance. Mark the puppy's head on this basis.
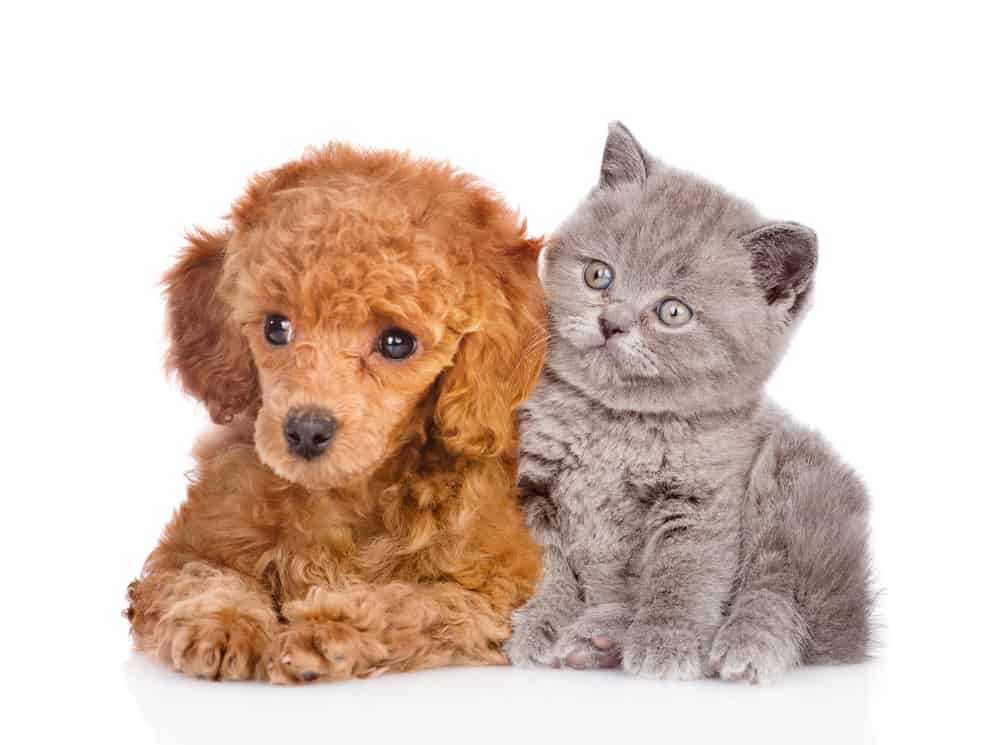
(359, 302)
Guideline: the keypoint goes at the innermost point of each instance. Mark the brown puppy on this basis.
(363, 332)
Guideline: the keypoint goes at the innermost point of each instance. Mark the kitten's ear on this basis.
(783, 257)
(624, 159)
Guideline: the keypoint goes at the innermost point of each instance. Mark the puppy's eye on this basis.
(396, 344)
(277, 329)
(598, 275)
(673, 312)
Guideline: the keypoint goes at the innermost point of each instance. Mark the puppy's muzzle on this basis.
(309, 431)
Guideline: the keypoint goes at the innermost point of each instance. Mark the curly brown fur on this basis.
(401, 547)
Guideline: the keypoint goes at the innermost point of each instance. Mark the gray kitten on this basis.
(689, 526)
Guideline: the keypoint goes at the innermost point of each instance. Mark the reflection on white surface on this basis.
(817, 705)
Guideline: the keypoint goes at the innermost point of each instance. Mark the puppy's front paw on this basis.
(319, 650)
(658, 650)
(533, 636)
(212, 647)
(743, 651)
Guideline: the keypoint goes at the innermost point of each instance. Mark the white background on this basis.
(123, 125)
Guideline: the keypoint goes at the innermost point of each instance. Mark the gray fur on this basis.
(688, 524)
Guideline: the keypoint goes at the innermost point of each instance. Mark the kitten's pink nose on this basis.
(616, 319)
(609, 328)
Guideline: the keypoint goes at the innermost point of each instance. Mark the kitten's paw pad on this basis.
(590, 656)
(209, 648)
(742, 652)
(311, 651)
(582, 647)
(660, 652)
(594, 639)
(583, 654)
(610, 651)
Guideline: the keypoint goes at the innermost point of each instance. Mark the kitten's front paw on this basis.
(533, 637)
(658, 650)
(742, 651)
(594, 639)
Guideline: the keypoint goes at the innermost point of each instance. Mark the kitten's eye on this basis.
(673, 312)
(277, 329)
(396, 344)
(598, 275)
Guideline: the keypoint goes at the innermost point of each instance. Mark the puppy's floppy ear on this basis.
(783, 256)
(499, 358)
(207, 349)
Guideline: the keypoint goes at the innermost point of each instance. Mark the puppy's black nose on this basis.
(309, 432)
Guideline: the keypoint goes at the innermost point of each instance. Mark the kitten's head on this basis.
(665, 293)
